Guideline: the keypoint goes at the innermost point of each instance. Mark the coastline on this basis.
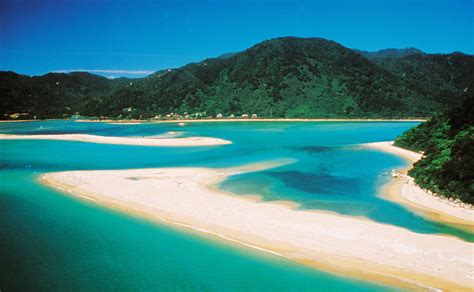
(34, 120)
(137, 141)
(223, 120)
(151, 121)
(403, 190)
(183, 197)
(20, 121)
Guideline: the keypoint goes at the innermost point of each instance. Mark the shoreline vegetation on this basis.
(447, 168)
(328, 241)
(403, 190)
(138, 141)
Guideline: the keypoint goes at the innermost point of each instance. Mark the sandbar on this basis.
(139, 141)
(355, 247)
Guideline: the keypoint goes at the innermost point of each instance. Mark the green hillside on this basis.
(283, 77)
(442, 75)
(53, 95)
(448, 142)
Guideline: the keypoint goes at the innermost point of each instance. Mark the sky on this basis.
(135, 38)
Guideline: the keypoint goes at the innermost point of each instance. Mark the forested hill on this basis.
(447, 167)
(446, 74)
(282, 77)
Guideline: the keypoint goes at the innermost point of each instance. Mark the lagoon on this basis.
(56, 242)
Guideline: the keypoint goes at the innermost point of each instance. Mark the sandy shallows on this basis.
(355, 247)
(139, 141)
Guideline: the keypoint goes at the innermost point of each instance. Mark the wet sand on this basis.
(355, 247)
(403, 190)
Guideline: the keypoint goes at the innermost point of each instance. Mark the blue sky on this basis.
(131, 38)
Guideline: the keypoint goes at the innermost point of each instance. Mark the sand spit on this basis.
(187, 198)
(139, 141)
(403, 190)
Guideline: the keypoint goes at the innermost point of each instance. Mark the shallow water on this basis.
(53, 242)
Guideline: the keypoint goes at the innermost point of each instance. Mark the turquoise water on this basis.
(53, 242)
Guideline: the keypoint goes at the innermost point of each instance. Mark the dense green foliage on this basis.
(51, 95)
(283, 77)
(447, 167)
(442, 75)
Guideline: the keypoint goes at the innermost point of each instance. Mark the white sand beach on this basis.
(139, 141)
(355, 247)
(131, 122)
(404, 190)
(387, 146)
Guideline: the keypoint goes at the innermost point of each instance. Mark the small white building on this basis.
(244, 116)
(219, 116)
(254, 116)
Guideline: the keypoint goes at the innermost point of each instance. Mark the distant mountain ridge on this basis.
(282, 77)
(390, 53)
(446, 72)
